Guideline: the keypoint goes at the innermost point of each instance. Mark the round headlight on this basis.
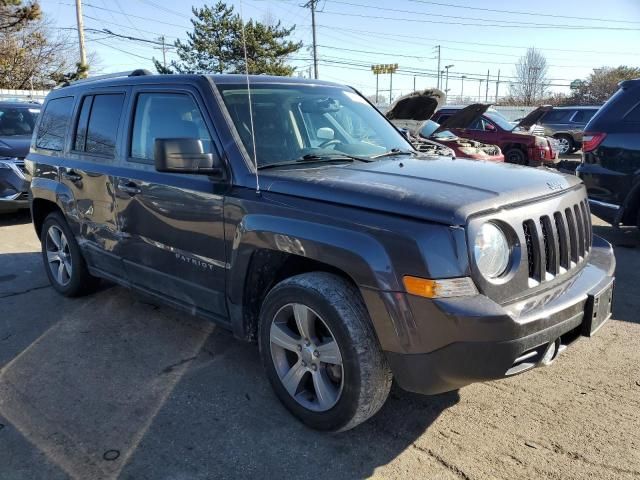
(491, 251)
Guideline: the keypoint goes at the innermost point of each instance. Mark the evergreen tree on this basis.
(216, 45)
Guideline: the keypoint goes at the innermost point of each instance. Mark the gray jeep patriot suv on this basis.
(294, 214)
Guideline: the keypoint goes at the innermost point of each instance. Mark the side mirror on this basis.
(185, 155)
(325, 133)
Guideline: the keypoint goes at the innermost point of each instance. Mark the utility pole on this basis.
(83, 53)
(414, 83)
(446, 85)
(462, 89)
(312, 5)
(486, 93)
(480, 80)
(164, 51)
(438, 47)
(497, 86)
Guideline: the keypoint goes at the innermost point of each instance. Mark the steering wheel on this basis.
(333, 141)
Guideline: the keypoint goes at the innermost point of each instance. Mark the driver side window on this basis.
(165, 115)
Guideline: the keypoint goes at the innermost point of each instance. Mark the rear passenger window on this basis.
(558, 116)
(583, 116)
(165, 115)
(633, 115)
(54, 123)
(97, 128)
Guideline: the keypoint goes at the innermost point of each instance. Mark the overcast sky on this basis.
(474, 35)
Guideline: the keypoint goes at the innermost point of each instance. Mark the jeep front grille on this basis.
(557, 242)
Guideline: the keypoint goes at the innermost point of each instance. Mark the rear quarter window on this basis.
(633, 115)
(54, 123)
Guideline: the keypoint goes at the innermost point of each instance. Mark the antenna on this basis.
(246, 70)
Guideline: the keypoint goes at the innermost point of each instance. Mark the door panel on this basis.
(172, 223)
(88, 172)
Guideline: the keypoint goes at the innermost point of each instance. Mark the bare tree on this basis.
(16, 14)
(530, 84)
(32, 55)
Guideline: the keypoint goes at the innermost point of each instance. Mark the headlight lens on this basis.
(491, 251)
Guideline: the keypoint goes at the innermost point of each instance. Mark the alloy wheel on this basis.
(58, 255)
(563, 145)
(307, 357)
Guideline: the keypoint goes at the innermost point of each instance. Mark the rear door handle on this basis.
(130, 188)
(71, 175)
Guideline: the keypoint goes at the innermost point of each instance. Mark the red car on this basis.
(412, 113)
(483, 124)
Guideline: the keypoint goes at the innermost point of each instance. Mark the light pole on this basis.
(446, 85)
(462, 89)
(386, 68)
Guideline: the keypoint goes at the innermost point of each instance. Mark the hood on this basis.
(410, 111)
(533, 117)
(15, 146)
(441, 189)
(465, 117)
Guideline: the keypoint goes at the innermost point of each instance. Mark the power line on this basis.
(520, 12)
(510, 25)
(369, 33)
(509, 22)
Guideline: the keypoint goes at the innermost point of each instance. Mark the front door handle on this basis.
(130, 188)
(71, 175)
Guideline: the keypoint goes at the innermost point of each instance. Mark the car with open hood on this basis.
(293, 213)
(565, 124)
(17, 120)
(480, 122)
(413, 112)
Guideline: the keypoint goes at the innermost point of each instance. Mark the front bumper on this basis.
(473, 339)
(14, 187)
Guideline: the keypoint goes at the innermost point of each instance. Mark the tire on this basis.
(516, 156)
(63, 261)
(354, 380)
(565, 144)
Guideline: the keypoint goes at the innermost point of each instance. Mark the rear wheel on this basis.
(517, 156)
(320, 352)
(63, 261)
(565, 144)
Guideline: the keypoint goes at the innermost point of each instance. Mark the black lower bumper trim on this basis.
(462, 363)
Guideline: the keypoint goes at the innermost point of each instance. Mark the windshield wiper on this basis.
(393, 152)
(315, 158)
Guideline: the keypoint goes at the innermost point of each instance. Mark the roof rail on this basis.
(135, 73)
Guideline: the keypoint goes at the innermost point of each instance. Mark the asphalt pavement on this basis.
(107, 386)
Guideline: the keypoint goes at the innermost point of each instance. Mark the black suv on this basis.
(348, 256)
(610, 165)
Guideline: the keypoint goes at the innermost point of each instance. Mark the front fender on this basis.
(358, 255)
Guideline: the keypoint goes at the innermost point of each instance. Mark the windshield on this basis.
(499, 120)
(17, 120)
(294, 121)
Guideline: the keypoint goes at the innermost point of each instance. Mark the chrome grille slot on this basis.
(586, 214)
(573, 239)
(533, 253)
(563, 240)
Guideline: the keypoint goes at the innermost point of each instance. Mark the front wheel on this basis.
(321, 353)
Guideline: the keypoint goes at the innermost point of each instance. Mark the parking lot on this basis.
(107, 386)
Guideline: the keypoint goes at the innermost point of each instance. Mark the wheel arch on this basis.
(48, 195)
(260, 258)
